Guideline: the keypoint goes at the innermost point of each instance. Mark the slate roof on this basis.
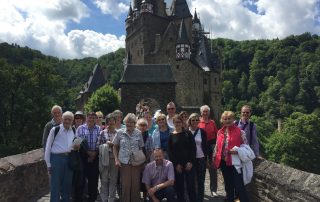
(182, 35)
(147, 73)
(195, 18)
(95, 81)
(180, 9)
(203, 56)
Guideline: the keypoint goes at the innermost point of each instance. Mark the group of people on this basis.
(176, 148)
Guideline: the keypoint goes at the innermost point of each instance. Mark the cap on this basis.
(79, 113)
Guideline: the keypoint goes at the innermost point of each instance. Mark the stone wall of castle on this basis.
(275, 182)
(135, 93)
(23, 176)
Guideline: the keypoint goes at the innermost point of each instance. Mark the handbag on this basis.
(74, 160)
(138, 158)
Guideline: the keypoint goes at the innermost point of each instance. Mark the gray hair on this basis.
(204, 107)
(143, 121)
(109, 117)
(117, 113)
(56, 107)
(67, 114)
(130, 118)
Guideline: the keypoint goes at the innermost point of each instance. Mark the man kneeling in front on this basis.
(158, 177)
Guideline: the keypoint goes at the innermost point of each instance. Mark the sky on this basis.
(71, 29)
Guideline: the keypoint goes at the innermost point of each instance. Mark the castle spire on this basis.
(129, 17)
(183, 43)
(196, 24)
(180, 9)
(195, 17)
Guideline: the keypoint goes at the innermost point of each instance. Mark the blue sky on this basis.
(91, 28)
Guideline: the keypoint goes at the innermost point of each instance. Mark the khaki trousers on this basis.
(130, 183)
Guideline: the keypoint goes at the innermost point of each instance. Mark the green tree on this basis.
(105, 99)
(297, 144)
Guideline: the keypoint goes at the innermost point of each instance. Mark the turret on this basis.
(182, 44)
(196, 24)
(129, 17)
(146, 6)
(136, 10)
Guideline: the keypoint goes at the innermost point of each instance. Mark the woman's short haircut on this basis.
(68, 114)
(193, 115)
(110, 117)
(99, 113)
(204, 107)
(130, 117)
(56, 107)
(183, 113)
(227, 113)
(159, 116)
(142, 121)
(117, 113)
(176, 118)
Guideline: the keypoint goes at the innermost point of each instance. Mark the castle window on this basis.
(215, 81)
(205, 81)
(167, 52)
(141, 51)
(138, 52)
(178, 66)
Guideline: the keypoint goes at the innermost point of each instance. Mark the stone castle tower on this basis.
(173, 38)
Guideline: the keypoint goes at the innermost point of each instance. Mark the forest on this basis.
(279, 78)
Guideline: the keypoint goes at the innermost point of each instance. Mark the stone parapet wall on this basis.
(275, 182)
(22, 176)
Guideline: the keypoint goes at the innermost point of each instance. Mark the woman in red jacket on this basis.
(228, 137)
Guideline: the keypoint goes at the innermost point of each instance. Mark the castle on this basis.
(168, 58)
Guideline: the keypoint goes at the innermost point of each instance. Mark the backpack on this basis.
(250, 131)
(56, 131)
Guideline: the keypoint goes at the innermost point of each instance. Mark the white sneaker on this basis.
(214, 194)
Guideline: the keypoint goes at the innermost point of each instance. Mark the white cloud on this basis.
(274, 18)
(42, 25)
(112, 7)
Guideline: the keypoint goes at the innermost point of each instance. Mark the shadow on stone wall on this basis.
(25, 175)
(275, 182)
(22, 176)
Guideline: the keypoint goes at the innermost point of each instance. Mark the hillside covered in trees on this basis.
(278, 78)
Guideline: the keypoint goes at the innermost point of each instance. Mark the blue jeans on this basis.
(200, 168)
(233, 183)
(167, 193)
(61, 178)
